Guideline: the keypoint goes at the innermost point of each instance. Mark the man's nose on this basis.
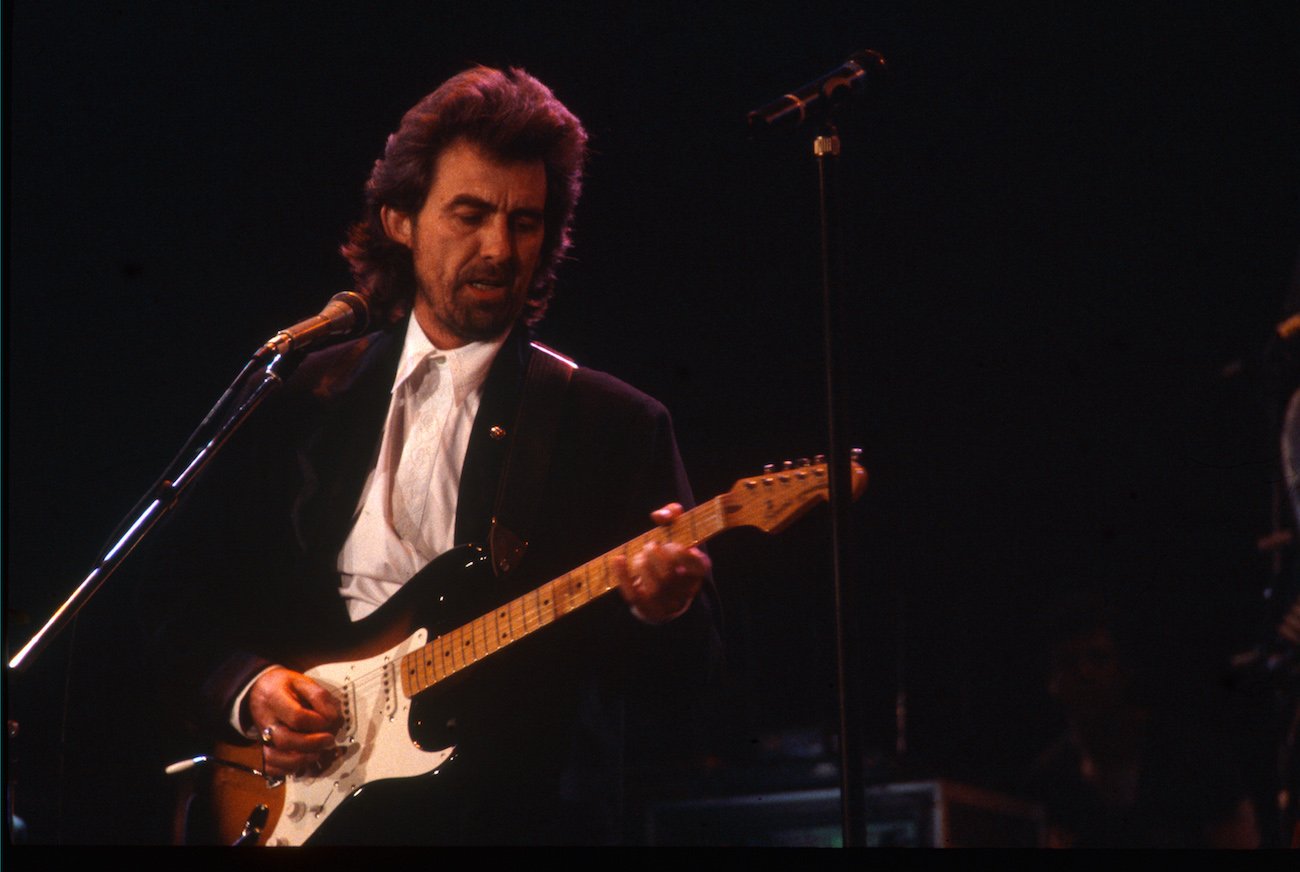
(496, 242)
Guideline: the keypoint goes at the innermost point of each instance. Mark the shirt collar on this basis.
(468, 365)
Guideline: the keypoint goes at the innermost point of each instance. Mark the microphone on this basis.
(817, 98)
(346, 315)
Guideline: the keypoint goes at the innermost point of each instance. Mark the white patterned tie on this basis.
(419, 453)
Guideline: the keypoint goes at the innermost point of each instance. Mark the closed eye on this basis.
(528, 223)
(470, 218)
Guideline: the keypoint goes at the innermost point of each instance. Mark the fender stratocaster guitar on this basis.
(406, 654)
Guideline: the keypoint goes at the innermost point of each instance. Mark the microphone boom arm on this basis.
(346, 314)
(164, 495)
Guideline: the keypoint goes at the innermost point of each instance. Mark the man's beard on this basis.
(474, 319)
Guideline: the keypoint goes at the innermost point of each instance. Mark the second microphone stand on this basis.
(826, 150)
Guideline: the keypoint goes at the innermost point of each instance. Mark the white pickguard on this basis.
(375, 741)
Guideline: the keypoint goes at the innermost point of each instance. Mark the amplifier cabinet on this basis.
(917, 814)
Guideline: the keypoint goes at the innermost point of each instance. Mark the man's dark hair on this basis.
(513, 117)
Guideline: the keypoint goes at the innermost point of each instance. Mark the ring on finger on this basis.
(268, 735)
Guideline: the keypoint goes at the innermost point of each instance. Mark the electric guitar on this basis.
(405, 655)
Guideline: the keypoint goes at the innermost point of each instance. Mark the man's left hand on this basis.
(661, 582)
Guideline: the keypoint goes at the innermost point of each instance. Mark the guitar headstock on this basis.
(781, 495)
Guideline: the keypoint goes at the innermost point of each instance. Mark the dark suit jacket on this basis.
(245, 577)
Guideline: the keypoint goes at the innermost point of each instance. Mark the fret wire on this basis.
(449, 654)
(420, 667)
(598, 581)
(406, 664)
(518, 628)
(546, 606)
(581, 588)
(536, 609)
(560, 598)
(510, 627)
(589, 592)
(423, 676)
(436, 664)
(467, 643)
(480, 626)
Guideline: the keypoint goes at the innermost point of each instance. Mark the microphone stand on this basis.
(819, 100)
(826, 150)
(167, 491)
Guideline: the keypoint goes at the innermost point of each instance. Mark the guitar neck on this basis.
(769, 502)
(453, 651)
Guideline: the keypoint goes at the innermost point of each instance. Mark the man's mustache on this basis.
(503, 276)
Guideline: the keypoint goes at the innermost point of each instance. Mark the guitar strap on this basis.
(519, 489)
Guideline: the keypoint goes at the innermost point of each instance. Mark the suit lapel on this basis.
(350, 398)
(490, 439)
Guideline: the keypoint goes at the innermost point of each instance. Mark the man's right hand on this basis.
(297, 720)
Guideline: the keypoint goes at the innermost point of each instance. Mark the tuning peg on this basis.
(857, 453)
(769, 468)
(803, 461)
(819, 459)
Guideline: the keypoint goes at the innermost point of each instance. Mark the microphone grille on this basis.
(359, 302)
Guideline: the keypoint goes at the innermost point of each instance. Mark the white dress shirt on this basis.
(396, 530)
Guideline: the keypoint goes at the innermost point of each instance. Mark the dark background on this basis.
(1062, 222)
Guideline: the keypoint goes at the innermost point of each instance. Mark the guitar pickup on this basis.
(391, 679)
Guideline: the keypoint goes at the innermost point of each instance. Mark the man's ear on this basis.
(396, 224)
